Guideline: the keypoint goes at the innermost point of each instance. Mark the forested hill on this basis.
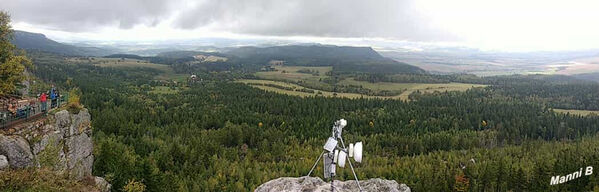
(343, 58)
(39, 42)
(313, 51)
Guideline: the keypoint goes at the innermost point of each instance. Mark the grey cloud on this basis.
(87, 15)
(333, 18)
(329, 18)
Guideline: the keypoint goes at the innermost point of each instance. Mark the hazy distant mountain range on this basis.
(443, 60)
(37, 41)
(343, 58)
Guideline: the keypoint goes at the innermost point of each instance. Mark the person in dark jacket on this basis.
(53, 97)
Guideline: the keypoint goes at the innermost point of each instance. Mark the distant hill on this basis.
(344, 59)
(313, 51)
(36, 41)
(588, 76)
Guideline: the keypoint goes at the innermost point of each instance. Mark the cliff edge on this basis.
(60, 142)
(315, 184)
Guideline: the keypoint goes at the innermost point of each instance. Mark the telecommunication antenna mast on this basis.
(335, 154)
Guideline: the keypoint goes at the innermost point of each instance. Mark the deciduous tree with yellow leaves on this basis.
(13, 62)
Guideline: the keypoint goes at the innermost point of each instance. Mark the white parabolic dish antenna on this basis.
(358, 152)
(341, 159)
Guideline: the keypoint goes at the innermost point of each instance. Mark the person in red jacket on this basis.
(43, 99)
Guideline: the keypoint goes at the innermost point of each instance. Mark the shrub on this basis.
(74, 105)
(134, 186)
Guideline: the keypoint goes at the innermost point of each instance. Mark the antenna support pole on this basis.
(315, 163)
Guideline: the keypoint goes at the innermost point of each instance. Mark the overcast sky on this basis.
(510, 25)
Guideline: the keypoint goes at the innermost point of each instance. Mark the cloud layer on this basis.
(87, 15)
(395, 19)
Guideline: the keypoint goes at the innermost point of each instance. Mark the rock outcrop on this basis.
(61, 142)
(102, 184)
(315, 184)
(76, 131)
(17, 151)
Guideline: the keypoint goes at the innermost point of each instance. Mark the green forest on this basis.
(219, 135)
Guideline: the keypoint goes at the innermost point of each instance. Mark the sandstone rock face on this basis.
(3, 163)
(78, 145)
(51, 147)
(62, 142)
(79, 156)
(315, 184)
(17, 151)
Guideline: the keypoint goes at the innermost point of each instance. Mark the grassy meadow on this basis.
(283, 78)
(577, 112)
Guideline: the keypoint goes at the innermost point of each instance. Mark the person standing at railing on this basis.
(43, 99)
(53, 97)
(58, 98)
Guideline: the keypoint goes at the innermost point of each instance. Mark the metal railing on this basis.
(29, 111)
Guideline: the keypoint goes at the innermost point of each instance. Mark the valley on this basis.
(463, 60)
(299, 96)
(217, 131)
(231, 120)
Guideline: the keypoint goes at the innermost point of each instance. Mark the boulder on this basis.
(17, 151)
(3, 163)
(102, 184)
(79, 156)
(315, 184)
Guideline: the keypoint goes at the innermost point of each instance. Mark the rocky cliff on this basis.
(61, 142)
(315, 184)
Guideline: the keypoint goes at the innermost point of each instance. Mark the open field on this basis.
(409, 88)
(430, 88)
(576, 112)
(295, 86)
(379, 85)
(297, 93)
(290, 73)
(287, 76)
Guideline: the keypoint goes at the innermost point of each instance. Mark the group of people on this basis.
(23, 107)
(54, 95)
(13, 107)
